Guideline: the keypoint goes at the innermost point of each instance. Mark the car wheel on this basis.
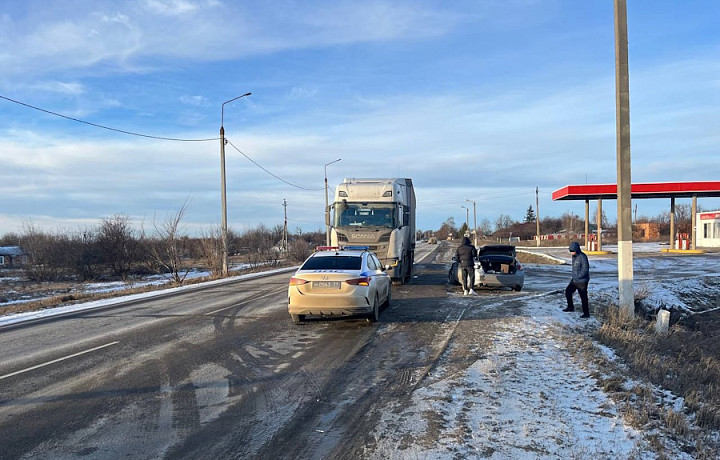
(453, 280)
(517, 288)
(297, 319)
(374, 315)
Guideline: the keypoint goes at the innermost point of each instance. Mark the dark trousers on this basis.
(581, 288)
(468, 275)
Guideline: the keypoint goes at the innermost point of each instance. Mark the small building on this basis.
(707, 232)
(12, 257)
(646, 231)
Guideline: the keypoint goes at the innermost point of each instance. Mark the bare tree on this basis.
(299, 249)
(593, 218)
(85, 254)
(682, 218)
(486, 227)
(46, 254)
(210, 249)
(503, 221)
(448, 228)
(168, 249)
(261, 245)
(119, 245)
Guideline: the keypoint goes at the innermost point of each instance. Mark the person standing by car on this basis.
(465, 255)
(580, 279)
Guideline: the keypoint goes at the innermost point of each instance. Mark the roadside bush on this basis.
(299, 250)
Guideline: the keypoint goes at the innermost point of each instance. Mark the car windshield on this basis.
(333, 263)
(365, 215)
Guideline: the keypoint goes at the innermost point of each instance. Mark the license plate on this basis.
(326, 284)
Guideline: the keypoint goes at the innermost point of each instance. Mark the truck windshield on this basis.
(365, 215)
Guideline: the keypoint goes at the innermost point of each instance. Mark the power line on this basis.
(106, 127)
(50, 112)
(273, 175)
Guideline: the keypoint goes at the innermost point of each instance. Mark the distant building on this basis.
(707, 233)
(563, 235)
(646, 231)
(12, 257)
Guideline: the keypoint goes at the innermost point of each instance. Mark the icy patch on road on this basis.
(526, 398)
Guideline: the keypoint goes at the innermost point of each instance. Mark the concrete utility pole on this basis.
(474, 222)
(222, 185)
(537, 215)
(599, 224)
(327, 205)
(672, 222)
(693, 222)
(285, 231)
(587, 225)
(622, 120)
(467, 216)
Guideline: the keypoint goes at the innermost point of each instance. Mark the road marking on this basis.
(57, 360)
(248, 300)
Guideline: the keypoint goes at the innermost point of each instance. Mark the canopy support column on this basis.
(672, 223)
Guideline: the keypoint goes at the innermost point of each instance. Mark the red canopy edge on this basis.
(642, 190)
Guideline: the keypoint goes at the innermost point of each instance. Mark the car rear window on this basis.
(496, 251)
(333, 263)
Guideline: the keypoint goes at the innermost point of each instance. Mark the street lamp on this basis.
(474, 221)
(327, 205)
(467, 216)
(222, 185)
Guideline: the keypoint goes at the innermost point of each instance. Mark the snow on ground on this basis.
(528, 395)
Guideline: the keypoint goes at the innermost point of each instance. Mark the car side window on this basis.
(378, 265)
(371, 262)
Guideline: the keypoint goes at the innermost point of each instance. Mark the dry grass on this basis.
(684, 361)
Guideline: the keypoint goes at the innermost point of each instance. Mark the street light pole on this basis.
(467, 216)
(474, 221)
(327, 205)
(222, 185)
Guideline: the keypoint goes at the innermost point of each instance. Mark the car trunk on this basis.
(497, 263)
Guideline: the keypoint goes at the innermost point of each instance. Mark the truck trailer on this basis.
(379, 214)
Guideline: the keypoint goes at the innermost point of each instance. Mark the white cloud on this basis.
(67, 88)
(118, 34)
(171, 7)
(197, 101)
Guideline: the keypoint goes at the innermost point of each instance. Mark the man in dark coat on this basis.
(465, 256)
(580, 279)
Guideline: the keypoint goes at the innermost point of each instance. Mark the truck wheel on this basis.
(297, 319)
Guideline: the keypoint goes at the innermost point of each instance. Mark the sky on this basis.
(473, 100)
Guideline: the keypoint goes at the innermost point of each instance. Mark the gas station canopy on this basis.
(646, 190)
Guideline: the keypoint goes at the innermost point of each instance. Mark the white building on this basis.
(708, 229)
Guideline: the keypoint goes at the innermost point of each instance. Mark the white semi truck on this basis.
(379, 214)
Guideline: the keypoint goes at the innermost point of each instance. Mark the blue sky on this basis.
(479, 100)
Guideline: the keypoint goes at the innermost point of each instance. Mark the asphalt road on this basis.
(217, 373)
(224, 373)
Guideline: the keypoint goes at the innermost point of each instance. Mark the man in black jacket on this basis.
(580, 279)
(465, 256)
